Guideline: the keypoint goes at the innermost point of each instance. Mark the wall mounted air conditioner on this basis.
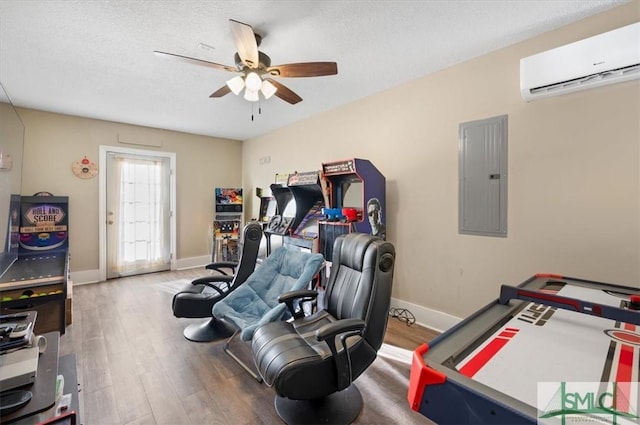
(608, 58)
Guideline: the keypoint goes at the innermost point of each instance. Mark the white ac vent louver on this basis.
(608, 58)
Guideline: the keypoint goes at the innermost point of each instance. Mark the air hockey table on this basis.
(549, 330)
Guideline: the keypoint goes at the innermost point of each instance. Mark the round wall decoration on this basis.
(84, 168)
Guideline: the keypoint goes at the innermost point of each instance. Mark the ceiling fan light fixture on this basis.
(236, 84)
(251, 95)
(252, 66)
(253, 82)
(268, 89)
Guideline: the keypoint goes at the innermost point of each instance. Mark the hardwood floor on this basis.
(135, 366)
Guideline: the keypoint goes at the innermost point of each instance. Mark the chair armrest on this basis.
(345, 328)
(293, 295)
(338, 327)
(302, 295)
(210, 281)
(220, 266)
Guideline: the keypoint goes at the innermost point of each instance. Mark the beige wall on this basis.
(574, 184)
(11, 142)
(53, 142)
(574, 179)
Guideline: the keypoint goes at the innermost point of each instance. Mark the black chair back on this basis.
(248, 255)
(360, 283)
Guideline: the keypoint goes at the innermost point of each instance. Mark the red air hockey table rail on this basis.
(549, 328)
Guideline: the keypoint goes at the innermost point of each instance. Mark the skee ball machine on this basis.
(38, 279)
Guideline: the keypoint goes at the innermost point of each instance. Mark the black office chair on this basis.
(312, 361)
(197, 298)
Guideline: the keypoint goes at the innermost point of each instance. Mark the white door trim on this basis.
(102, 202)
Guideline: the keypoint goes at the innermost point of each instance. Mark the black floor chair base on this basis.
(338, 408)
(211, 330)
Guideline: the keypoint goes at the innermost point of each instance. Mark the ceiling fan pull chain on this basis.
(251, 111)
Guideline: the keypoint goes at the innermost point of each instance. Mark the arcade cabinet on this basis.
(268, 205)
(226, 224)
(307, 193)
(284, 216)
(38, 279)
(356, 193)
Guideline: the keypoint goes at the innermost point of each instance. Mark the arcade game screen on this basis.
(352, 193)
(228, 195)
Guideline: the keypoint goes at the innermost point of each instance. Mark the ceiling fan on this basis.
(256, 75)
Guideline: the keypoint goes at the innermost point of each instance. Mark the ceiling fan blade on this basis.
(284, 93)
(221, 91)
(246, 44)
(305, 69)
(195, 61)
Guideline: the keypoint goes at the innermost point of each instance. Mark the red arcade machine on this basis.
(356, 193)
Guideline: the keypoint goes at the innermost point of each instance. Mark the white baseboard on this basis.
(193, 262)
(92, 276)
(85, 276)
(429, 318)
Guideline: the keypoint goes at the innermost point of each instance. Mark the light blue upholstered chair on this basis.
(255, 303)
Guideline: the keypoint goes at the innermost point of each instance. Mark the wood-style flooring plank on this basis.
(147, 420)
(96, 370)
(132, 402)
(136, 368)
(165, 403)
(102, 407)
(203, 409)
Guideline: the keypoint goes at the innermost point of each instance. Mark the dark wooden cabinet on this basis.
(43, 405)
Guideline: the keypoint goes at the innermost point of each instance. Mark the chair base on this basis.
(211, 330)
(338, 408)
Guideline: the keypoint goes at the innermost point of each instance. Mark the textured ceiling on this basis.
(95, 58)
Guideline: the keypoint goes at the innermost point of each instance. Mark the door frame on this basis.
(102, 202)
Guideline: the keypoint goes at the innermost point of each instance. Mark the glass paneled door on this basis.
(138, 214)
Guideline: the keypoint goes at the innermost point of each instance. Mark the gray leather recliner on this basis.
(312, 361)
